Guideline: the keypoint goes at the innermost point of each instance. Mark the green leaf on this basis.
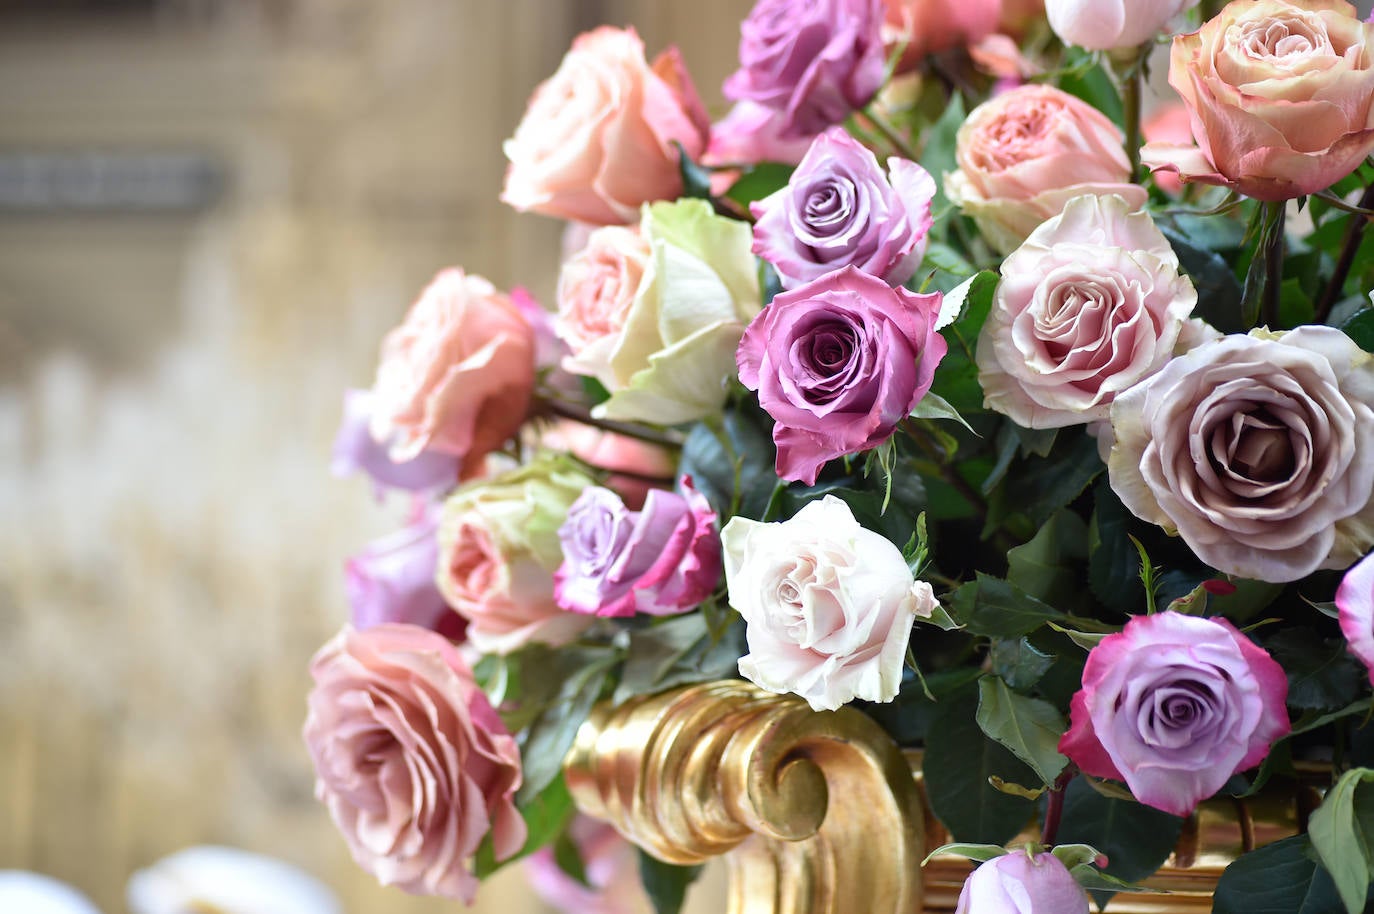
(696, 180)
(980, 852)
(932, 406)
(995, 608)
(665, 883)
(679, 651)
(1091, 83)
(956, 377)
(1218, 293)
(546, 815)
(1019, 662)
(1321, 674)
(937, 155)
(1029, 727)
(1048, 565)
(551, 735)
(1279, 878)
(1360, 328)
(1046, 484)
(760, 181)
(958, 761)
(1112, 560)
(1342, 832)
(1136, 839)
(712, 463)
(569, 859)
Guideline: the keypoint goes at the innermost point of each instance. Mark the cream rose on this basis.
(1254, 449)
(1025, 153)
(596, 288)
(1281, 98)
(828, 605)
(1090, 304)
(598, 137)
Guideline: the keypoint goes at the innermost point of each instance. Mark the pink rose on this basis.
(1355, 603)
(662, 560)
(1168, 123)
(1021, 883)
(930, 26)
(498, 550)
(1174, 705)
(596, 290)
(1101, 25)
(1251, 449)
(751, 133)
(611, 866)
(1281, 96)
(633, 467)
(456, 376)
(838, 363)
(1025, 153)
(412, 761)
(597, 138)
(1090, 304)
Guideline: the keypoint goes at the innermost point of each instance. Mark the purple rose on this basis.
(813, 61)
(839, 209)
(838, 363)
(1355, 603)
(355, 449)
(1174, 705)
(1018, 883)
(749, 134)
(662, 560)
(392, 580)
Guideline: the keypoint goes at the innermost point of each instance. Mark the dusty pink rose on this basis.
(598, 137)
(751, 133)
(1355, 603)
(412, 761)
(498, 550)
(1025, 153)
(596, 289)
(1168, 123)
(1174, 705)
(838, 363)
(1022, 883)
(926, 27)
(1253, 450)
(610, 864)
(1281, 96)
(456, 376)
(1101, 25)
(1091, 303)
(633, 467)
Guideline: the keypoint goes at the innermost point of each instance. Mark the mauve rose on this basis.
(356, 450)
(1281, 96)
(456, 376)
(1249, 447)
(610, 864)
(1025, 153)
(924, 27)
(597, 140)
(1101, 25)
(812, 61)
(1022, 883)
(1355, 604)
(412, 761)
(498, 550)
(1174, 705)
(392, 580)
(662, 560)
(750, 133)
(828, 605)
(1089, 305)
(838, 363)
(839, 209)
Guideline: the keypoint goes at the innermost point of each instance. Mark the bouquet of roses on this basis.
(918, 382)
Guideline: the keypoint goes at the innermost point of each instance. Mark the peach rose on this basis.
(412, 761)
(596, 288)
(931, 26)
(1023, 154)
(630, 464)
(1281, 97)
(456, 376)
(1169, 123)
(597, 138)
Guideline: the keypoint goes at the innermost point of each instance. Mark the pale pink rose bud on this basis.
(1019, 883)
(413, 763)
(1101, 25)
(598, 139)
(1025, 153)
(457, 375)
(1281, 97)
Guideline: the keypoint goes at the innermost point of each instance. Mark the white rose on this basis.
(1101, 25)
(828, 605)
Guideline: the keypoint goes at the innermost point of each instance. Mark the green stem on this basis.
(1354, 234)
(1273, 263)
(576, 413)
(889, 133)
(1132, 77)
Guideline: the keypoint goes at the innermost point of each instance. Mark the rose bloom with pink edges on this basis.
(1355, 605)
(1174, 705)
(413, 763)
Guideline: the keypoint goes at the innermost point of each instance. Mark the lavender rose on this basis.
(1355, 604)
(839, 209)
(813, 61)
(1089, 305)
(356, 450)
(1248, 447)
(662, 560)
(411, 759)
(1022, 883)
(1174, 705)
(837, 364)
(392, 580)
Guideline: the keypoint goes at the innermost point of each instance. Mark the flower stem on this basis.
(947, 472)
(1054, 805)
(1273, 263)
(578, 413)
(1354, 234)
(1132, 74)
(889, 133)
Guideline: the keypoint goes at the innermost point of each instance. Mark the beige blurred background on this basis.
(210, 211)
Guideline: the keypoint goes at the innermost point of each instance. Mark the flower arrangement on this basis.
(920, 383)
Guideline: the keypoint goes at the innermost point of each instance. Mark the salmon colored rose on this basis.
(1025, 153)
(596, 288)
(930, 26)
(456, 376)
(1281, 97)
(598, 137)
(412, 761)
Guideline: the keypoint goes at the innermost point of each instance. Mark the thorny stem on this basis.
(1354, 234)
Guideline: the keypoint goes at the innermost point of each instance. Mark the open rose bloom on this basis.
(952, 387)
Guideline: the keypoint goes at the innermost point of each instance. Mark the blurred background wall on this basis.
(210, 211)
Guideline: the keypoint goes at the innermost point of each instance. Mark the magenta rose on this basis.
(662, 560)
(412, 761)
(392, 580)
(838, 363)
(1355, 603)
(1174, 705)
(813, 61)
(1019, 883)
(355, 450)
(839, 209)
